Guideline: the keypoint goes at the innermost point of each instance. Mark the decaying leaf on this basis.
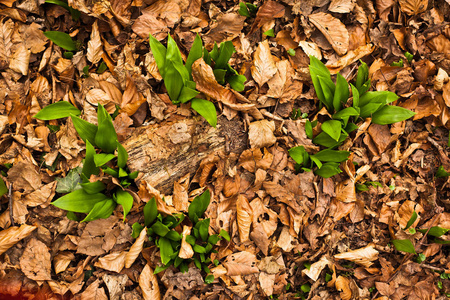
(267, 282)
(263, 64)
(20, 59)
(363, 256)
(62, 260)
(266, 13)
(227, 27)
(241, 263)
(94, 49)
(311, 49)
(316, 268)
(343, 285)
(186, 250)
(413, 7)
(94, 291)
(148, 282)
(116, 285)
(333, 30)
(136, 248)
(35, 261)
(244, 217)
(260, 134)
(9, 237)
(113, 262)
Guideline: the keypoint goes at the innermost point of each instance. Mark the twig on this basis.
(10, 204)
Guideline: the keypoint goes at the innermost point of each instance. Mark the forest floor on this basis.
(294, 235)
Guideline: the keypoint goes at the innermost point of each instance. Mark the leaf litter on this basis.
(293, 235)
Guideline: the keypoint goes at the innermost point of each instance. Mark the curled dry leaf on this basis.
(35, 261)
(345, 191)
(264, 66)
(413, 7)
(266, 14)
(364, 256)
(343, 285)
(316, 268)
(260, 134)
(350, 58)
(94, 291)
(97, 96)
(311, 48)
(136, 248)
(94, 49)
(244, 217)
(227, 27)
(333, 30)
(440, 79)
(241, 263)
(20, 59)
(149, 284)
(406, 211)
(341, 6)
(9, 237)
(112, 262)
(132, 99)
(62, 260)
(186, 248)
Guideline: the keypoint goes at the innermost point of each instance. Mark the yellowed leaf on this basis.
(94, 49)
(260, 134)
(20, 59)
(363, 256)
(186, 248)
(264, 66)
(311, 48)
(345, 191)
(35, 261)
(413, 7)
(9, 237)
(341, 6)
(136, 248)
(343, 285)
(97, 96)
(112, 262)
(148, 283)
(333, 30)
(267, 281)
(244, 217)
(62, 260)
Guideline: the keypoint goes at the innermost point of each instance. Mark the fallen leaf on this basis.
(350, 58)
(226, 28)
(136, 248)
(34, 38)
(263, 67)
(267, 13)
(244, 217)
(285, 240)
(316, 268)
(241, 263)
(341, 6)
(113, 262)
(94, 291)
(20, 59)
(116, 285)
(186, 250)
(94, 48)
(147, 24)
(24, 177)
(343, 285)
(62, 260)
(260, 134)
(35, 261)
(9, 237)
(148, 282)
(363, 256)
(413, 7)
(333, 30)
(267, 282)
(345, 191)
(311, 48)
(131, 99)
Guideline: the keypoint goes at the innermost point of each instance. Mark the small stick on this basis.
(10, 204)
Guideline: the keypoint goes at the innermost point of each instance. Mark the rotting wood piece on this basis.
(167, 151)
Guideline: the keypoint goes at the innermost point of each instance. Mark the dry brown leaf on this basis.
(260, 134)
(113, 262)
(62, 260)
(311, 48)
(59, 288)
(116, 285)
(264, 66)
(226, 28)
(111, 89)
(333, 30)
(131, 99)
(413, 7)
(147, 24)
(34, 38)
(285, 240)
(241, 263)
(341, 6)
(267, 282)
(180, 193)
(136, 248)
(94, 291)
(94, 48)
(6, 31)
(266, 14)
(350, 58)
(35, 261)
(20, 59)
(186, 251)
(440, 79)
(343, 285)
(244, 217)
(9, 237)
(148, 283)
(363, 256)
(406, 211)
(316, 268)
(98, 96)
(24, 176)
(345, 191)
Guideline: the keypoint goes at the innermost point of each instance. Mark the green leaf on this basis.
(291, 52)
(243, 10)
(341, 94)
(122, 156)
(391, 114)
(69, 183)
(237, 82)
(173, 236)
(363, 75)
(106, 136)
(328, 170)
(101, 210)
(368, 110)
(206, 109)
(160, 229)
(79, 201)
(421, 258)
(203, 229)
(58, 110)
(316, 69)
(397, 63)
(226, 50)
(317, 162)
(187, 94)
(150, 211)
(384, 97)
(126, 200)
(198, 206)
(86, 130)
(435, 231)
(219, 74)
(329, 155)
(122, 173)
(328, 89)
(133, 175)
(309, 129)
(137, 228)
(199, 249)
(173, 55)
(195, 53)
(224, 234)
(305, 288)
(173, 82)
(355, 94)
(93, 187)
(299, 154)
(441, 172)
(332, 128)
(159, 53)
(159, 269)
(345, 113)
(269, 32)
(166, 250)
(411, 220)
(72, 216)
(101, 68)
(213, 239)
(61, 39)
(190, 240)
(101, 159)
(327, 141)
(409, 56)
(209, 279)
(111, 172)
(89, 167)
(3, 188)
(404, 245)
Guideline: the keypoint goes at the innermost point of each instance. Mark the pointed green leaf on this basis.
(383, 97)
(435, 231)
(79, 201)
(126, 200)
(86, 130)
(204, 229)
(206, 109)
(368, 110)
(58, 110)
(187, 94)
(328, 170)
(111, 172)
(106, 136)
(411, 220)
(101, 210)
(89, 167)
(441, 172)
(342, 92)
(219, 74)
(226, 50)
(328, 90)
(355, 95)
(299, 154)
(93, 187)
(150, 211)
(332, 128)
(225, 235)
(391, 114)
(195, 53)
(166, 250)
(61, 39)
(160, 229)
(102, 158)
(173, 55)
(198, 206)
(137, 228)
(404, 245)
(159, 53)
(237, 82)
(325, 140)
(363, 75)
(329, 155)
(122, 156)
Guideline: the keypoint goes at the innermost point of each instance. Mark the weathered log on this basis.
(166, 151)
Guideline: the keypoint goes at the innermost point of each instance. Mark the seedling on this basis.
(3, 188)
(247, 9)
(270, 33)
(92, 197)
(164, 231)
